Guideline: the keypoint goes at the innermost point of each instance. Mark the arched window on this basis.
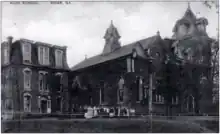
(43, 81)
(27, 78)
(27, 102)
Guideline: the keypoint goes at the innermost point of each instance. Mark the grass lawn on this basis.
(102, 125)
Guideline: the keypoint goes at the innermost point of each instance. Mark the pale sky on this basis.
(81, 26)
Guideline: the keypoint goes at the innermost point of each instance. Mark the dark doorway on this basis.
(43, 106)
(191, 104)
(58, 106)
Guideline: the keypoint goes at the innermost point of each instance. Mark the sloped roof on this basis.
(188, 16)
(123, 51)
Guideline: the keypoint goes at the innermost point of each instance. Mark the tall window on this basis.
(175, 100)
(101, 92)
(140, 89)
(26, 48)
(27, 78)
(43, 81)
(59, 104)
(27, 102)
(43, 55)
(130, 65)
(46, 56)
(6, 55)
(48, 106)
(58, 77)
(59, 58)
(121, 84)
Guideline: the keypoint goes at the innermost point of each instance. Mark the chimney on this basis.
(9, 39)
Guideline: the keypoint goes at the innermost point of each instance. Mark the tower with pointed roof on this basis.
(111, 39)
(193, 46)
(189, 25)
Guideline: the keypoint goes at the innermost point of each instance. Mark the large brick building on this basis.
(120, 75)
(34, 77)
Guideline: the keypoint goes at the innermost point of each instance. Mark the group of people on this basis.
(92, 112)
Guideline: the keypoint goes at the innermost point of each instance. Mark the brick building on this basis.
(34, 77)
(120, 75)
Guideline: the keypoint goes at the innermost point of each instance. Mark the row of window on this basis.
(43, 80)
(43, 55)
(44, 104)
(141, 93)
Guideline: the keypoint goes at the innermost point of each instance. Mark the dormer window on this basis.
(6, 55)
(26, 48)
(59, 58)
(43, 55)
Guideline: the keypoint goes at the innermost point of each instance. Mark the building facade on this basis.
(34, 77)
(125, 75)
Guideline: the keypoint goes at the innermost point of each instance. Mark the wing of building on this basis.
(34, 78)
(120, 75)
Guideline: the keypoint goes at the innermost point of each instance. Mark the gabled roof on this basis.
(123, 51)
